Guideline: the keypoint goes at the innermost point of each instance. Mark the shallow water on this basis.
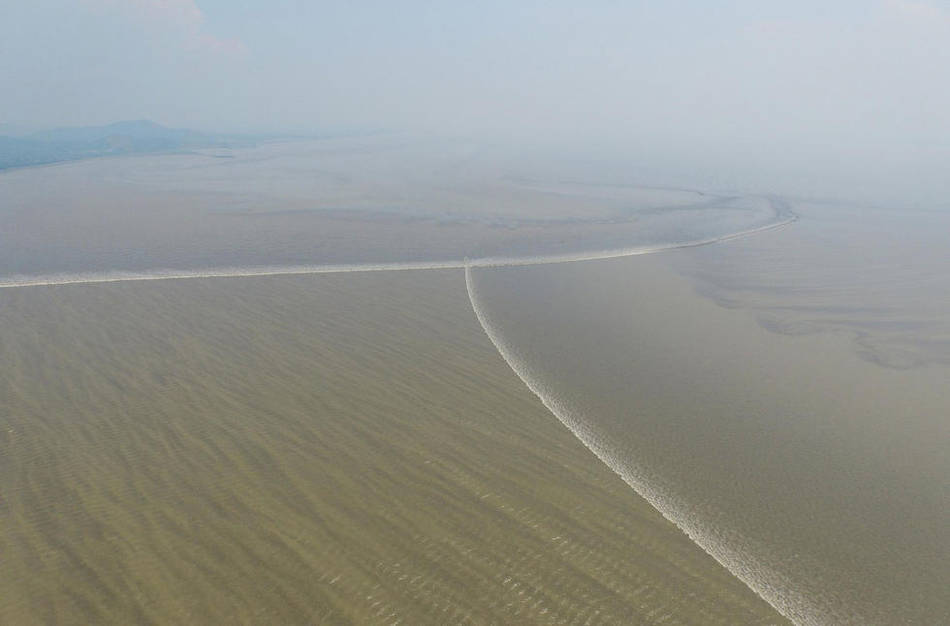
(881, 276)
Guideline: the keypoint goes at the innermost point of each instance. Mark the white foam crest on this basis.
(85, 278)
(732, 553)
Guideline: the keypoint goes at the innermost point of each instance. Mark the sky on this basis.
(731, 80)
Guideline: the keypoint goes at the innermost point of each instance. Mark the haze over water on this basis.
(712, 237)
(771, 395)
(364, 201)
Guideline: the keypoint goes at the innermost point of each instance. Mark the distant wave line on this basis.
(290, 270)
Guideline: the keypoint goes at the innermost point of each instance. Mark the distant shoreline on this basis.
(126, 138)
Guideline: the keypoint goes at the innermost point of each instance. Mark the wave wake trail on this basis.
(85, 278)
(760, 578)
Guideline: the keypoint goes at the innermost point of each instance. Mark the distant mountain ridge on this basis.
(128, 137)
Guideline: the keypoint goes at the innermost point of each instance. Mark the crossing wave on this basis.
(550, 398)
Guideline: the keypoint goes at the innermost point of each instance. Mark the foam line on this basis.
(288, 270)
(760, 578)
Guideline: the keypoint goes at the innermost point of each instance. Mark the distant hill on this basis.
(132, 137)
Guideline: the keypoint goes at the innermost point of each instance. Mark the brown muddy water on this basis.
(309, 450)
(352, 447)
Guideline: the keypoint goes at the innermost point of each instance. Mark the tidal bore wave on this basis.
(639, 479)
(783, 217)
(813, 474)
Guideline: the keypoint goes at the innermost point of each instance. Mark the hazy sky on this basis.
(738, 75)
